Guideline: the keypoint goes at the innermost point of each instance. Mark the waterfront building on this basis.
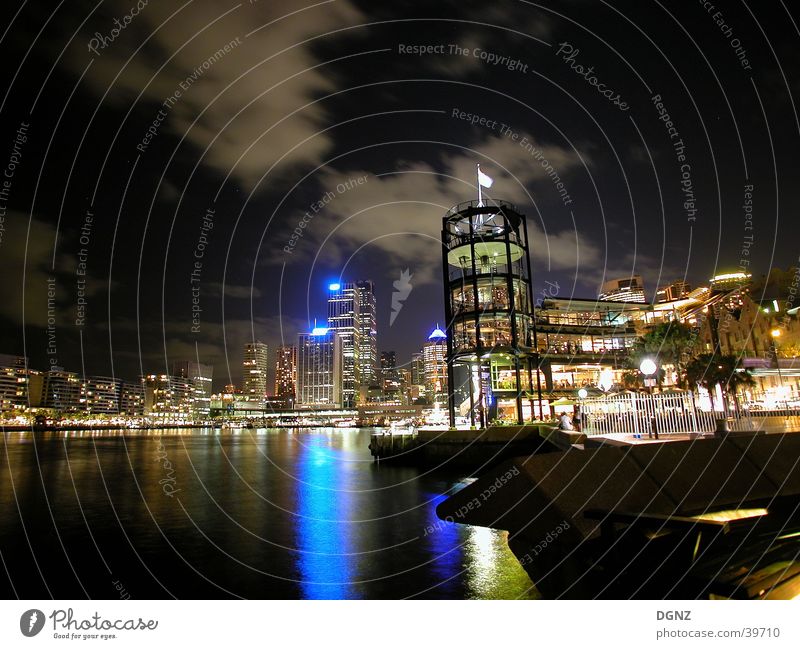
(200, 376)
(254, 370)
(435, 366)
(319, 369)
(488, 305)
(62, 390)
(624, 289)
(584, 343)
(14, 382)
(168, 398)
(286, 374)
(367, 319)
(100, 395)
(344, 318)
(131, 399)
(677, 290)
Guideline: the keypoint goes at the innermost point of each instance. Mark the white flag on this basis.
(484, 180)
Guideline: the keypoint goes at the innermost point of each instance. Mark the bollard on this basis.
(653, 428)
(722, 427)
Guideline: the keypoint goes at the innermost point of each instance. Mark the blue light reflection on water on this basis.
(323, 502)
(278, 514)
(444, 539)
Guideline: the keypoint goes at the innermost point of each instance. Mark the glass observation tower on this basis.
(491, 338)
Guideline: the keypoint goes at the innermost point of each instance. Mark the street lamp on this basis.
(648, 367)
(776, 333)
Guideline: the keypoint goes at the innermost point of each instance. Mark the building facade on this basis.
(344, 318)
(368, 333)
(200, 375)
(488, 308)
(168, 398)
(254, 370)
(62, 391)
(286, 374)
(131, 399)
(677, 290)
(624, 289)
(319, 369)
(15, 381)
(100, 395)
(435, 366)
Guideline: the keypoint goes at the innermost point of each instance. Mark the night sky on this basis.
(198, 136)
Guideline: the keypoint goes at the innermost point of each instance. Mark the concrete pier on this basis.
(601, 522)
(476, 449)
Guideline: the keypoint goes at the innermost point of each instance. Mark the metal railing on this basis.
(661, 414)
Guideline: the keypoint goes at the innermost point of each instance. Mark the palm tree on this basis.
(671, 342)
(710, 370)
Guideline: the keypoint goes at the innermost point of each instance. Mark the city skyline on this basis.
(601, 203)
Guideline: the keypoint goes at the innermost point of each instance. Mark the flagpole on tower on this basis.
(478, 175)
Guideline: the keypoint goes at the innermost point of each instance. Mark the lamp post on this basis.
(776, 333)
(648, 367)
(582, 394)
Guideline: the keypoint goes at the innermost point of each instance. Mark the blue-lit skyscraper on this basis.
(343, 318)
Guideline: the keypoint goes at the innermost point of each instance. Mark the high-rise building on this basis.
(624, 289)
(344, 319)
(200, 376)
(388, 361)
(286, 373)
(677, 290)
(319, 368)
(368, 333)
(418, 368)
(435, 366)
(390, 380)
(254, 371)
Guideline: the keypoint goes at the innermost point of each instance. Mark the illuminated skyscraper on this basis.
(388, 361)
(319, 368)
(254, 371)
(286, 373)
(368, 333)
(343, 318)
(435, 366)
(418, 368)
